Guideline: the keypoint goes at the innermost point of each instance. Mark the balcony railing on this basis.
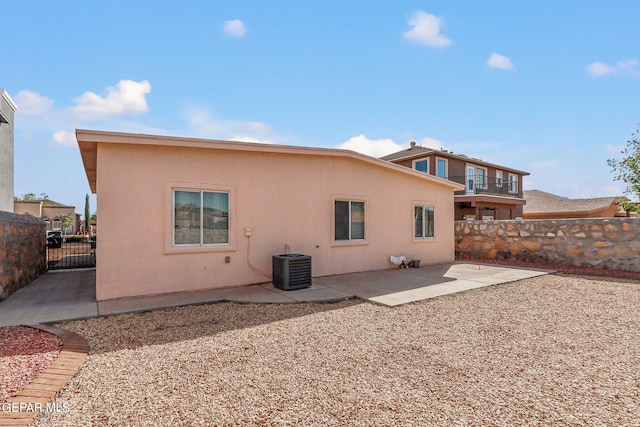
(479, 184)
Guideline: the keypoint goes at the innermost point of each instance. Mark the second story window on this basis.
(421, 165)
(481, 178)
(513, 183)
(499, 179)
(441, 168)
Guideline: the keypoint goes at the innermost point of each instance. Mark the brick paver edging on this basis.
(38, 395)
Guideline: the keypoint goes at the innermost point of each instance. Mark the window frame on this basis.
(414, 162)
(350, 220)
(201, 218)
(349, 198)
(446, 167)
(499, 179)
(423, 206)
(485, 173)
(169, 218)
(513, 183)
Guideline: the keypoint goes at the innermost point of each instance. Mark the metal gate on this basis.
(70, 252)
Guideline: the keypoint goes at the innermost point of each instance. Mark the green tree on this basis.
(66, 221)
(627, 170)
(87, 214)
(31, 197)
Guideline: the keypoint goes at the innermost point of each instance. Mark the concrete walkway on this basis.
(67, 295)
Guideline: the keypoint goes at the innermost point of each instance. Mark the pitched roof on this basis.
(46, 203)
(417, 151)
(542, 202)
(409, 152)
(88, 141)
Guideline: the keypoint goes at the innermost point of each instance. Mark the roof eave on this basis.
(88, 141)
(459, 157)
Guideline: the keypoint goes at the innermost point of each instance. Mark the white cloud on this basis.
(431, 143)
(250, 139)
(499, 61)
(371, 147)
(32, 103)
(127, 97)
(426, 30)
(629, 67)
(383, 147)
(235, 28)
(203, 124)
(599, 69)
(65, 138)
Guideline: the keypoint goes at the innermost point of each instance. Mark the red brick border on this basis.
(32, 399)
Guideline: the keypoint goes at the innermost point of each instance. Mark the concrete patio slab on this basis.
(464, 277)
(254, 294)
(152, 302)
(67, 295)
(316, 293)
(62, 295)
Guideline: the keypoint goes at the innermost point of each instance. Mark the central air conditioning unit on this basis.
(291, 271)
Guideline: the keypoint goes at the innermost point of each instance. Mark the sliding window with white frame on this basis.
(200, 218)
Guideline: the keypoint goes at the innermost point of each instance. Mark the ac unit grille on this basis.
(291, 271)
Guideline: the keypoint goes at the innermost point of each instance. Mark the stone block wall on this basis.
(611, 243)
(22, 251)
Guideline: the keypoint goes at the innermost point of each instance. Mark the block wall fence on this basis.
(610, 243)
(22, 251)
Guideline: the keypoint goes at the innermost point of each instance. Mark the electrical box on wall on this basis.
(248, 231)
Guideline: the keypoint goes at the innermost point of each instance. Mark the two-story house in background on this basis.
(491, 191)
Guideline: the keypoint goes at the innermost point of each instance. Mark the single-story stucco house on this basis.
(183, 214)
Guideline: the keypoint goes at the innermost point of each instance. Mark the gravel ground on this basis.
(552, 350)
(24, 353)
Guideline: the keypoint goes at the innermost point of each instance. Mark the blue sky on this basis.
(549, 87)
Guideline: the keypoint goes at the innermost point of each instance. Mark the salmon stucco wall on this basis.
(286, 200)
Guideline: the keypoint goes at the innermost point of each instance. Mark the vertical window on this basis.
(499, 178)
(481, 178)
(47, 223)
(200, 217)
(349, 220)
(441, 168)
(56, 224)
(424, 221)
(513, 183)
(421, 165)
